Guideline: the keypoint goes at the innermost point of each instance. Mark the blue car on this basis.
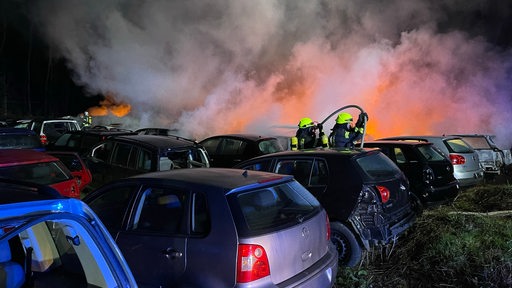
(57, 243)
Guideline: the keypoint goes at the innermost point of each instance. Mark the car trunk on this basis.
(301, 246)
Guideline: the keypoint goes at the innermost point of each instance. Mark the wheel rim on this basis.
(343, 247)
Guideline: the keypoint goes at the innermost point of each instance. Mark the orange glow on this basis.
(109, 104)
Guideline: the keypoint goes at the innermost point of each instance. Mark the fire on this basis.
(109, 104)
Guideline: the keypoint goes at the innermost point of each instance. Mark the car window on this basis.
(46, 173)
(102, 152)
(231, 147)
(61, 251)
(112, 206)
(19, 141)
(430, 153)
(144, 160)
(200, 222)
(377, 166)
(263, 165)
(269, 146)
(276, 206)
(211, 145)
(121, 154)
(458, 146)
(159, 210)
(399, 155)
(477, 142)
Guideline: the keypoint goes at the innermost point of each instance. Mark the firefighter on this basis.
(345, 133)
(305, 137)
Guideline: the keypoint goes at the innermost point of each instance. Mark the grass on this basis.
(466, 244)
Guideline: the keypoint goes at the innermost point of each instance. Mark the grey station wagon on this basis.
(218, 227)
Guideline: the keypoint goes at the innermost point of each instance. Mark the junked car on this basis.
(429, 173)
(38, 167)
(227, 150)
(218, 227)
(465, 160)
(57, 243)
(365, 194)
(495, 161)
(128, 155)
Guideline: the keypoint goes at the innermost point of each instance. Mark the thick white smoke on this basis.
(211, 67)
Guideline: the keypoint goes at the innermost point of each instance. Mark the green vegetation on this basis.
(465, 244)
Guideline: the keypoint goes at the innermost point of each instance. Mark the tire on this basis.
(349, 250)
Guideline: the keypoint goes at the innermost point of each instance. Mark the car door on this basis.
(154, 242)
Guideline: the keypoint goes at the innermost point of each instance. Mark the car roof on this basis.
(225, 179)
(12, 157)
(248, 136)
(100, 132)
(157, 140)
(341, 152)
(421, 137)
(397, 142)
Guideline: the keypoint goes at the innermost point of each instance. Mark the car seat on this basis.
(11, 273)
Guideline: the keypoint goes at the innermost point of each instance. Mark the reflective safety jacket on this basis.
(344, 135)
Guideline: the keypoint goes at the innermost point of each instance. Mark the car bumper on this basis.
(440, 194)
(470, 178)
(322, 274)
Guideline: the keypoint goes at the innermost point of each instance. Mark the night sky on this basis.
(233, 66)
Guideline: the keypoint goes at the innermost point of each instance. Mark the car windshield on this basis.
(19, 141)
(430, 153)
(46, 173)
(477, 142)
(377, 166)
(277, 206)
(458, 146)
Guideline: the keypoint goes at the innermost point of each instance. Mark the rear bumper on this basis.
(440, 194)
(321, 274)
(469, 178)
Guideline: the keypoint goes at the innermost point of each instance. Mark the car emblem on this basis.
(305, 232)
(402, 187)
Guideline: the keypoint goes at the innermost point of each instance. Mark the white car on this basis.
(49, 130)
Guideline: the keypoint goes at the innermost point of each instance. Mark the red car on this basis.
(38, 167)
(76, 165)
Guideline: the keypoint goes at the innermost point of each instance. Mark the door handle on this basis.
(172, 253)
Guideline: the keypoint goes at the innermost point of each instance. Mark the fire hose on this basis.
(346, 107)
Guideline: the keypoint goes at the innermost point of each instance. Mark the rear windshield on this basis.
(275, 207)
(477, 142)
(20, 141)
(270, 146)
(377, 167)
(46, 173)
(458, 146)
(430, 153)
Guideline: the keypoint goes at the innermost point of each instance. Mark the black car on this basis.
(365, 194)
(429, 172)
(21, 138)
(81, 141)
(230, 149)
(218, 227)
(128, 155)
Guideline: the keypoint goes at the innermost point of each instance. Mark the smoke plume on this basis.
(223, 66)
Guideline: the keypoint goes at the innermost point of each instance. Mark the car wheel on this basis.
(349, 250)
(416, 204)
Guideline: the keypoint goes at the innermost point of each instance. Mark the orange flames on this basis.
(109, 105)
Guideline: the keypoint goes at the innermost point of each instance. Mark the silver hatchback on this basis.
(466, 165)
(216, 227)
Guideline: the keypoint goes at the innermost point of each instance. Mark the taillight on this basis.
(384, 193)
(328, 223)
(252, 263)
(457, 159)
(44, 140)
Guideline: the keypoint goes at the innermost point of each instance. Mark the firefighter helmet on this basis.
(306, 122)
(344, 118)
